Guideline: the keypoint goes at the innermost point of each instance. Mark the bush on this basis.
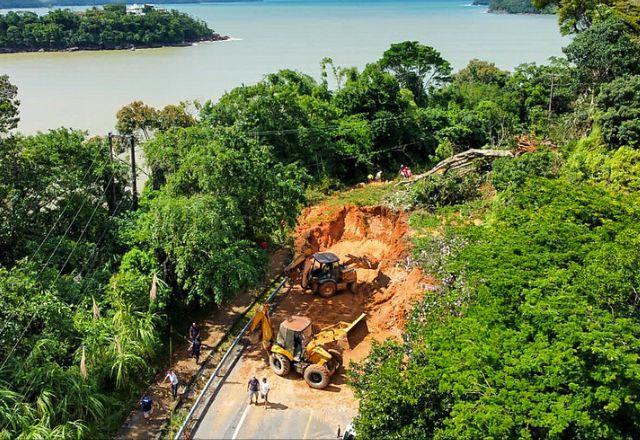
(448, 189)
(619, 102)
(513, 172)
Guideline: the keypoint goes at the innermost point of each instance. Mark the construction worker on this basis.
(252, 387)
(194, 331)
(173, 379)
(195, 349)
(378, 177)
(146, 404)
(264, 391)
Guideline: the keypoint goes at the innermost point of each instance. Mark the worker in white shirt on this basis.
(264, 391)
(173, 379)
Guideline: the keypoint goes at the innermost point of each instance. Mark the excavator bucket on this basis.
(346, 335)
(357, 331)
(363, 262)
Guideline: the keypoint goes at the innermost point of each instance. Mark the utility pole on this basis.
(113, 182)
(134, 177)
(553, 77)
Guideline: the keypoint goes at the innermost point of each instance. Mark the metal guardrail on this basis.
(193, 420)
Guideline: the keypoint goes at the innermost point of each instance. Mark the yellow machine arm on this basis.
(337, 332)
(261, 318)
(363, 262)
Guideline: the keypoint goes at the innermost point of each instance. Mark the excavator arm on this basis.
(261, 318)
(363, 262)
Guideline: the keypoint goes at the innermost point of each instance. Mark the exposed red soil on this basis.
(385, 294)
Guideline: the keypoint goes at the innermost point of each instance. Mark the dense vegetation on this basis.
(9, 4)
(110, 27)
(535, 331)
(514, 6)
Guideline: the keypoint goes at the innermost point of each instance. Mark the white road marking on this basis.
(306, 430)
(244, 416)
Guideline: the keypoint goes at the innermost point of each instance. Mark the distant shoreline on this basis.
(11, 5)
(213, 38)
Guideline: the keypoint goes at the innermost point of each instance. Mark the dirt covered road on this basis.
(385, 295)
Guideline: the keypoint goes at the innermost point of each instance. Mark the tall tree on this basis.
(9, 112)
(418, 67)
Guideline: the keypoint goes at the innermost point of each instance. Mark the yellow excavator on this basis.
(323, 273)
(296, 345)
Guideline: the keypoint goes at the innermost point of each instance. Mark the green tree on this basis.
(9, 112)
(619, 103)
(602, 53)
(416, 66)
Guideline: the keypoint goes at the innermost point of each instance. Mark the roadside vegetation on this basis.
(109, 27)
(534, 332)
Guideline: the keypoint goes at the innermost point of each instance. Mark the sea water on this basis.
(85, 89)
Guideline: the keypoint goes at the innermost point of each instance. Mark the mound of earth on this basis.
(386, 294)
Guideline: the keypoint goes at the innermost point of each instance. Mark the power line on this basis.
(84, 177)
(30, 387)
(24, 331)
(323, 128)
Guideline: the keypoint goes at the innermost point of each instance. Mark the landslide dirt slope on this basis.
(385, 294)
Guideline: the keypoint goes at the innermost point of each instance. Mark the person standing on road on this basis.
(173, 379)
(264, 391)
(194, 331)
(146, 404)
(253, 386)
(195, 349)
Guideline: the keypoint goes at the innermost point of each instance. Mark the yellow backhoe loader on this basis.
(296, 345)
(323, 273)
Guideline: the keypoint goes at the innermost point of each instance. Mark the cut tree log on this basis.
(460, 160)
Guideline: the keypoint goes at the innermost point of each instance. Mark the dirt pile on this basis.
(385, 294)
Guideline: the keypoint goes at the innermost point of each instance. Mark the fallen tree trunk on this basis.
(461, 160)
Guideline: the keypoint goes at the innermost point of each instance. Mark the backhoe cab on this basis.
(296, 345)
(323, 273)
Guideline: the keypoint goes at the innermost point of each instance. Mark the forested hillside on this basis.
(534, 331)
(515, 6)
(111, 27)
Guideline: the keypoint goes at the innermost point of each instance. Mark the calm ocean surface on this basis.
(85, 89)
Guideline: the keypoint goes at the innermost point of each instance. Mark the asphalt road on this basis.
(294, 412)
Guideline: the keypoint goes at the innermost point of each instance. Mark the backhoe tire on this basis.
(327, 289)
(317, 376)
(279, 364)
(336, 360)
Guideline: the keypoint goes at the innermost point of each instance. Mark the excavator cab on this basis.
(324, 274)
(294, 334)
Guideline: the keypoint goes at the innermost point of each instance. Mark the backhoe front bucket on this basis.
(357, 331)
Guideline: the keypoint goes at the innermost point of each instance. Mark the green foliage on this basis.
(8, 105)
(533, 335)
(619, 102)
(603, 52)
(202, 236)
(576, 16)
(139, 117)
(514, 6)
(416, 66)
(591, 160)
(446, 189)
(218, 196)
(108, 28)
(481, 72)
(513, 172)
